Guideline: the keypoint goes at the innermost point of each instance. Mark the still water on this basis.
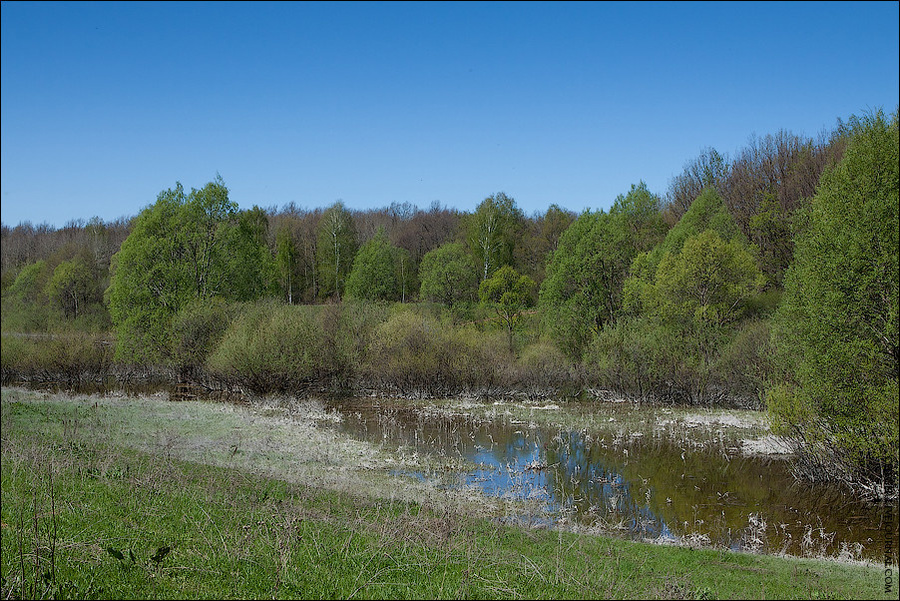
(643, 487)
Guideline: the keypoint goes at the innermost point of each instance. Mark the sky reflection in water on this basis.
(644, 489)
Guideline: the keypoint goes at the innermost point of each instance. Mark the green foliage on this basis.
(72, 286)
(567, 294)
(744, 365)
(414, 352)
(335, 250)
(707, 212)
(349, 329)
(542, 367)
(648, 360)
(196, 330)
(72, 358)
(448, 275)
(509, 294)
(286, 260)
(836, 332)
(706, 282)
(638, 214)
(24, 305)
(585, 275)
(249, 265)
(30, 282)
(272, 348)
(685, 299)
(381, 271)
(491, 233)
(771, 226)
(183, 247)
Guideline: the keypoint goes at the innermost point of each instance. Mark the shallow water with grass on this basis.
(686, 476)
(120, 496)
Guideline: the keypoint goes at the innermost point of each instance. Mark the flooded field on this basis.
(684, 476)
(702, 477)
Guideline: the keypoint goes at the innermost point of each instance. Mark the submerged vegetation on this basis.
(765, 281)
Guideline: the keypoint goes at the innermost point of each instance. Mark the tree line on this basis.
(769, 279)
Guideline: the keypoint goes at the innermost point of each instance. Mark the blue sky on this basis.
(106, 104)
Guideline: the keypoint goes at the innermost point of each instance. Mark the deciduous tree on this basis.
(490, 233)
(836, 332)
(509, 294)
(183, 247)
(585, 275)
(380, 270)
(448, 275)
(72, 286)
(335, 250)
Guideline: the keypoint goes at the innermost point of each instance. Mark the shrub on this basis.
(419, 354)
(196, 330)
(543, 369)
(649, 360)
(272, 348)
(71, 359)
(744, 366)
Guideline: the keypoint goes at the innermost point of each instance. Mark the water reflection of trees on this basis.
(643, 485)
(653, 489)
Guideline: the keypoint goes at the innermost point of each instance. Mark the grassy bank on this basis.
(142, 498)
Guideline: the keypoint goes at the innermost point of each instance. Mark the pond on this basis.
(648, 485)
(643, 472)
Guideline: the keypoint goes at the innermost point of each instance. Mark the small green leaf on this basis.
(117, 554)
(131, 556)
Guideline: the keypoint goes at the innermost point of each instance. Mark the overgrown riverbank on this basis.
(117, 497)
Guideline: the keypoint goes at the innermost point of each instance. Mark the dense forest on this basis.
(766, 280)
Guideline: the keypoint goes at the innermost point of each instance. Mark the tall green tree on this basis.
(72, 286)
(249, 261)
(706, 281)
(836, 331)
(335, 250)
(200, 224)
(707, 212)
(570, 296)
(700, 294)
(30, 282)
(681, 304)
(181, 248)
(25, 306)
(582, 291)
(448, 275)
(491, 233)
(510, 294)
(379, 270)
(639, 214)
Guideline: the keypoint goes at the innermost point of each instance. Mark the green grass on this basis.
(88, 511)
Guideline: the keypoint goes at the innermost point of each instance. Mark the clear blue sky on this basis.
(106, 104)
